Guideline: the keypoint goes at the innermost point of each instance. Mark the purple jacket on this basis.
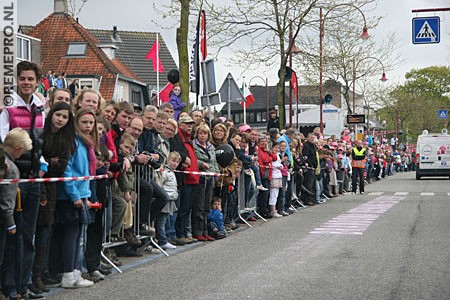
(178, 105)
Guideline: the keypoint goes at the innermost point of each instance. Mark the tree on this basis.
(345, 54)
(183, 57)
(259, 32)
(179, 11)
(418, 100)
(75, 9)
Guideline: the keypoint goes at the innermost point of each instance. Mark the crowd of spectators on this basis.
(195, 165)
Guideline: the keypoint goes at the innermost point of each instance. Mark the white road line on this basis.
(337, 232)
(356, 220)
(427, 194)
(376, 193)
(401, 193)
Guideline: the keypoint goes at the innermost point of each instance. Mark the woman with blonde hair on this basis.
(89, 98)
(206, 157)
(219, 135)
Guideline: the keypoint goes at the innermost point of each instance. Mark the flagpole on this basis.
(157, 70)
(245, 107)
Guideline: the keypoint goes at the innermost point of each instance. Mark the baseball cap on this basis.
(186, 120)
(244, 128)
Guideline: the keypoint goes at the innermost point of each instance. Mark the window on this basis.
(76, 49)
(86, 84)
(251, 117)
(264, 116)
(258, 117)
(23, 48)
(136, 97)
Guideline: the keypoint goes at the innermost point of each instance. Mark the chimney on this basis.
(60, 6)
(115, 32)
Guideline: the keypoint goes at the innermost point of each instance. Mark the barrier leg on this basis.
(244, 220)
(110, 262)
(259, 216)
(154, 243)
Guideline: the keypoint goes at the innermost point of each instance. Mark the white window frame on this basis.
(85, 83)
(77, 54)
(20, 56)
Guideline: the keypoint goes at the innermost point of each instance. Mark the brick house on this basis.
(103, 60)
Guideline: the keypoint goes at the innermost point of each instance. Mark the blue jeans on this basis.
(80, 263)
(257, 175)
(170, 224)
(160, 226)
(42, 243)
(20, 249)
(281, 200)
(319, 189)
(184, 211)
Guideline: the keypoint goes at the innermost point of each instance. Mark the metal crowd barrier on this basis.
(247, 198)
(146, 173)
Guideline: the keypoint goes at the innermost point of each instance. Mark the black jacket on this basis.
(273, 123)
(309, 155)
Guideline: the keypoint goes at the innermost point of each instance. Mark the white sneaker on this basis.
(261, 188)
(80, 281)
(68, 281)
(168, 245)
(275, 214)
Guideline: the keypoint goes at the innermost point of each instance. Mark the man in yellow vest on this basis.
(358, 166)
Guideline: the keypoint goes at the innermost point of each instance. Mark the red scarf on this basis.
(89, 143)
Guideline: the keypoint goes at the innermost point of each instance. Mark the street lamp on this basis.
(355, 65)
(267, 92)
(364, 35)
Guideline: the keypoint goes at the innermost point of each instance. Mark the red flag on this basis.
(164, 94)
(194, 68)
(249, 99)
(153, 54)
(203, 45)
(294, 85)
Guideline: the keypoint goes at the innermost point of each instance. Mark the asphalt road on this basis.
(390, 243)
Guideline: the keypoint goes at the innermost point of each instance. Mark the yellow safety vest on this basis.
(360, 163)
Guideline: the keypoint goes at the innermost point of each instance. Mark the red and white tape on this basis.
(195, 172)
(53, 179)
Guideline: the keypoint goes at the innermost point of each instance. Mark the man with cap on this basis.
(274, 120)
(188, 182)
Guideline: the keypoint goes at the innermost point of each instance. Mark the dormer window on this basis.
(76, 49)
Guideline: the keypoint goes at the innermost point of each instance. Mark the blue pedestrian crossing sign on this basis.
(443, 114)
(426, 30)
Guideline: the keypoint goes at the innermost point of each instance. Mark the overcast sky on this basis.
(137, 15)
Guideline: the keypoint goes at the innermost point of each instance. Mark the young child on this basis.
(226, 188)
(216, 229)
(340, 172)
(277, 180)
(285, 162)
(169, 183)
(15, 144)
(71, 202)
(125, 185)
